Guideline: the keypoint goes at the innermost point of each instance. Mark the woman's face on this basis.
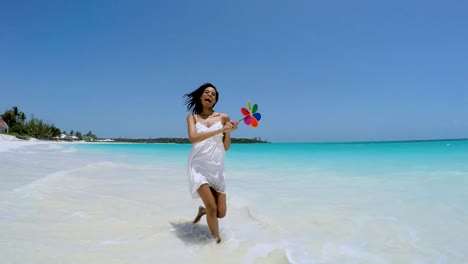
(208, 97)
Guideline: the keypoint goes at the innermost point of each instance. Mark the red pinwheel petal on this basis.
(245, 111)
(248, 119)
(254, 123)
(257, 116)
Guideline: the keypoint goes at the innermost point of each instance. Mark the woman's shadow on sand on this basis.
(192, 234)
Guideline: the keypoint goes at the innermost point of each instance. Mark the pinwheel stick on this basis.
(242, 118)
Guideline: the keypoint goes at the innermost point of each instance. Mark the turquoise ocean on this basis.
(365, 202)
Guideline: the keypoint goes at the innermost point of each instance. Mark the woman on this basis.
(209, 132)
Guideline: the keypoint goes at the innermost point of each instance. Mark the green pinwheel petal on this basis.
(255, 108)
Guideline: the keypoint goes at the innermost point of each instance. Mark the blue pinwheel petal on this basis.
(257, 116)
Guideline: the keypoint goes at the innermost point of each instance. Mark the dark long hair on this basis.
(193, 102)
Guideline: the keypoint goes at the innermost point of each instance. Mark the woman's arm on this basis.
(194, 136)
(227, 133)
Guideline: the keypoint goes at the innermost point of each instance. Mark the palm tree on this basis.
(11, 118)
(15, 111)
(22, 117)
(79, 135)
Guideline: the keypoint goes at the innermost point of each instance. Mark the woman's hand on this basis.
(234, 125)
(230, 126)
(227, 127)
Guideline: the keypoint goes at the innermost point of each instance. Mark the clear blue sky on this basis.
(319, 70)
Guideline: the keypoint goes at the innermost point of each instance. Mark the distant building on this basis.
(106, 140)
(3, 126)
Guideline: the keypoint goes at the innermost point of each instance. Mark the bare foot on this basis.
(201, 212)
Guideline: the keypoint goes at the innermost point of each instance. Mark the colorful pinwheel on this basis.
(251, 117)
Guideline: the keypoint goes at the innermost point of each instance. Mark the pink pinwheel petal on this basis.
(248, 120)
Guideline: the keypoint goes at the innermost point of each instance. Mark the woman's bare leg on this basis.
(220, 199)
(201, 212)
(211, 210)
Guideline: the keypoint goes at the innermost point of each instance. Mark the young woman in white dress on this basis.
(209, 131)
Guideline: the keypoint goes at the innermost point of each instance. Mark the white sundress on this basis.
(206, 161)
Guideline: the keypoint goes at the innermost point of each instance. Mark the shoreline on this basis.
(13, 140)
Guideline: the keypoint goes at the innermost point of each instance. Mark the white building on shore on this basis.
(3, 126)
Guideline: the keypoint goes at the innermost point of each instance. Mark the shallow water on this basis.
(400, 202)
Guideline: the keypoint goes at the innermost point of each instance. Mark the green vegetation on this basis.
(22, 128)
(182, 140)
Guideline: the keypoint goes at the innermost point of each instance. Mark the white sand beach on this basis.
(8, 142)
